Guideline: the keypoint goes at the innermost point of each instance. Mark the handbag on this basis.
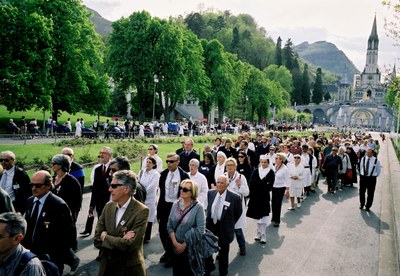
(349, 175)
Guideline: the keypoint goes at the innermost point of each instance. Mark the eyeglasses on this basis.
(185, 190)
(54, 164)
(150, 149)
(3, 237)
(36, 185)
(241, 156)
(114, 186)
(170, 161)
(69, 154)
(334, 150)
(5, 160)
(297, 158)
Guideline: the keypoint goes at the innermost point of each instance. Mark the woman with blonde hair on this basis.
(186, 213)
(281, 184)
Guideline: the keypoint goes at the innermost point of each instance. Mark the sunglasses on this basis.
(185, 190)
(4, 160)
(55, 164)
(241, 156)
(297, 158)
(36, 185)
(150, 149)
(114, 186)
(334, 150)
(170, 161)
(69, 154)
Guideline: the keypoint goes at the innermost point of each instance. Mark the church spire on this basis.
(373, 39)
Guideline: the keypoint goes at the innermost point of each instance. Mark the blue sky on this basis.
(346, 23)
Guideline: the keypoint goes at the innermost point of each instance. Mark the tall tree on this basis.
(297, 83)
(76, 53)
(235, 40)
(305, 90)
(25, 59)
(288, 55)
(278, 52)
(317, 88)
(219, 70)
(195, 23)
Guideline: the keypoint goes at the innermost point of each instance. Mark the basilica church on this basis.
(360, 104)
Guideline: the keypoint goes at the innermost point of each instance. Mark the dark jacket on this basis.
(69, 190)
(259, 203)
(163, 207)
(100, 193)
(230, 215)
(78, 172)
(22, 191)
(332, 164)
(54, 233)
(231, 152)
(185, 159)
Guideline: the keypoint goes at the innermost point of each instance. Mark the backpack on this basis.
(141, 193)
(49, 267)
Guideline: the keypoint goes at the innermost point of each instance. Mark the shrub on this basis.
(129, 149)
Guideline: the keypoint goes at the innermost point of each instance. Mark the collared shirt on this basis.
(368, 171)
(201, 181)
(172, 183)
(42, 201)
(120, 212)
(10, 263)
(221, 206)
(7, 182)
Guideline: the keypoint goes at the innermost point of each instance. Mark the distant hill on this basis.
(102, 25)
(327, 56)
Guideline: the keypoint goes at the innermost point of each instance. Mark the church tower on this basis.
(370, 87)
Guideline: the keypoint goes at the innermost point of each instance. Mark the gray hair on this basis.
(15, 223)
(9, 153)
(195, 162)
(127, 178)
(71, 151)
(174, 155)
(63, 160)
(122, 163)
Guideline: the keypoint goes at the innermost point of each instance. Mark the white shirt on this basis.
(363, 166)
(282, 178)
(201, 180)
(221, 206)
(7, 182)
(219, 170)
(172, 183)
(120, 212)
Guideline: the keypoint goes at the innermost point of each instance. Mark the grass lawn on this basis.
(35, 154)
(5, 116)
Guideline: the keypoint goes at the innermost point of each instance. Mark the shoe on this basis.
(298, 205)
(291, 208)
(366, 209)
(313, 191)
(263, 239)
(84, 233)
(146, 241)
(242, 251)
(340, 189)
(209, 269)
(257, 237)
(168, 263)
(276, 224)
(164, 258)
(74, 267)
(361, 206)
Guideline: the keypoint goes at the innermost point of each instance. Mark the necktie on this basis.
(104, 170)
(34, 216)
(216, 210)
(367, 167)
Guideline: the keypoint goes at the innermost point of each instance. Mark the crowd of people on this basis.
(202, 201)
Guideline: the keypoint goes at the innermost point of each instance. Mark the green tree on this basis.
(25, 59)
(282, 76)
(327, 96)
(195, 23)
(317, 88)
(77, 52)
(297, 83)
(286, 114)
(278, 52)
(235, 40)
(220, 73)
(305, 90)
(392, 96)
(288, 55)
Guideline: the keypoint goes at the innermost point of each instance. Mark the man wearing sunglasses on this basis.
(170, 179)
(50, 226)
(15, 181)
(121, 228)
(332, 165)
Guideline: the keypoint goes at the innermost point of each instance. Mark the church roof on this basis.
(374, 32)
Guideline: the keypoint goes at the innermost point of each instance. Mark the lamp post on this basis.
(154, 97)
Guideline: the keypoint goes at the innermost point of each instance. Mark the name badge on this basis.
(16, 186)
(227, 203)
